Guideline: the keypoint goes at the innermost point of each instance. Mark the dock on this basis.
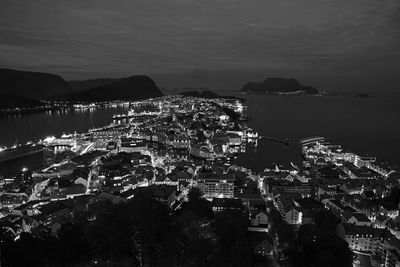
(20, 151)
(268, 138)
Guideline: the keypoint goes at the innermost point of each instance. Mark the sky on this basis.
(334, 45)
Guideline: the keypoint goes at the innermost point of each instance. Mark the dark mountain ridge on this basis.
(35, 85)
(132, 88)
(208, 94)
(200, 89)
(25, 88)
(9, 101)
(92, 83)
(203, 94)
(278, 85)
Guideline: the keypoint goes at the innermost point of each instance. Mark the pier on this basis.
(282, 141)
(311, 140)
(20, 151)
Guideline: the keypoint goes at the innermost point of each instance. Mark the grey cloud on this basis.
(84, 38)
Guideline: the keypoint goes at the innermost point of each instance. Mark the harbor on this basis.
(19, 151)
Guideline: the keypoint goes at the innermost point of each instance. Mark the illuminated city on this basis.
(169, 146)
(199, 133)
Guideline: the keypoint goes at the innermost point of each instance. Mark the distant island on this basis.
(279, 86)
(363, 95)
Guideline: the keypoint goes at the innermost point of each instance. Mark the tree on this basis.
(73, 244)
(199, 205)
(33, 254)
(320, 243)
(233, 245)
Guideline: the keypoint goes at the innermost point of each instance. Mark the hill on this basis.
(35, 85)
(208, 94)
(200, 89)
(363, 95)
(278, 85)
(16, 101)
(93, 83)
(132, 88)
(204, 94)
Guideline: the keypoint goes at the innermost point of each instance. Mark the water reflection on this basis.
(32, 127)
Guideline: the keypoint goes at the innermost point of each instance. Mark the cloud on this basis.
(148, 36)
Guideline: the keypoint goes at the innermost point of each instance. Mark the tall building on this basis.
(216, 185)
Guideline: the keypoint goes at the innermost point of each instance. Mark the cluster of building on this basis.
(361, 193)
(167, 146)
(163, 146)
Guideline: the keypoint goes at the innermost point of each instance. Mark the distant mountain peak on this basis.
(135, 87)
(278, 85)
(35, 85)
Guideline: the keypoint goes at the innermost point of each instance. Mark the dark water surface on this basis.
(20, 129)
(368, 126)
(33, 127)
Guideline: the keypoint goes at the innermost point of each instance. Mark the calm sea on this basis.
(33, 127)
(368, 126)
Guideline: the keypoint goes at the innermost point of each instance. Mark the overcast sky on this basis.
(333, 44)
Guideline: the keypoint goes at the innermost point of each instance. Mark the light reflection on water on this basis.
(366, 126)
(32, 127)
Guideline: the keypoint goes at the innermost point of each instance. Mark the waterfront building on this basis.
(110, 133)
(11, 200)
(55, 171)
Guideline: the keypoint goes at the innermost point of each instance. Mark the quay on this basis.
(20, 151)
(282, 141)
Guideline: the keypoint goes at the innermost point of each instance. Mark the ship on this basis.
(20, 151)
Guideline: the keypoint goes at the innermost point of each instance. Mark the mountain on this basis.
(16, 101)
(204, 94)
(132, 88)
(363, 95)
(208, 94)
(278, 85)
(200, 89)
(35, 85)
(93, 83)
